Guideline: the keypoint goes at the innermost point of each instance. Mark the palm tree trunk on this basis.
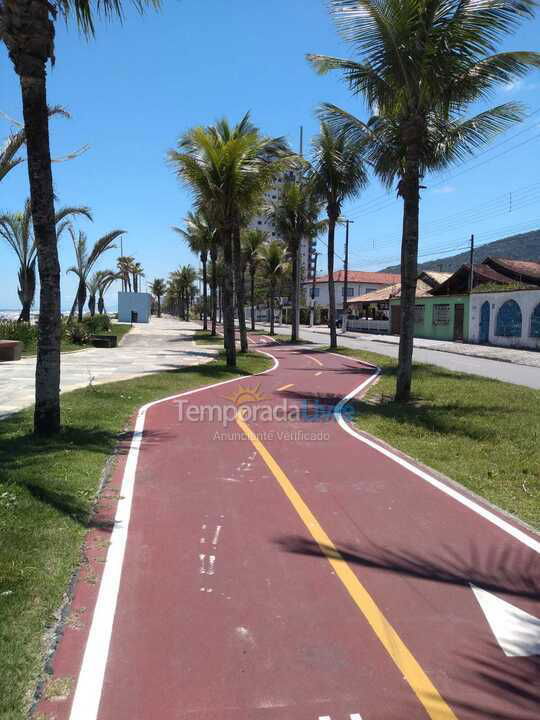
(81, 299)
(252, 293)
(205, 294)
(36, 121)
(272, 303)
(240, 289)
(159, 306)
(295, 303)
(228, 301)
(331, 285)
(409, 270)
(213, 289)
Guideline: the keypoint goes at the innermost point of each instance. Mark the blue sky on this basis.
(136, 87)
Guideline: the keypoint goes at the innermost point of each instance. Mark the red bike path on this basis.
(287, 569)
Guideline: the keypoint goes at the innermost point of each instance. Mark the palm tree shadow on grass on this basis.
(32, 454)
(451, 418)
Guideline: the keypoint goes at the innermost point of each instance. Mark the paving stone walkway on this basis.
(162, 344)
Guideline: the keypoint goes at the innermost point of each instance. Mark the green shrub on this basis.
(97, 324)
(12, 330)
(77, 332)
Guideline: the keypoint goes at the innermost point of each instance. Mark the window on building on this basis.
(315, 292)
(419, 314)
(350, 292)
(509, 320)
(535, 322)
(369, 290)
(441, 314)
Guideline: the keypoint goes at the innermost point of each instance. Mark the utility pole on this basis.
(301, 140)
(471, 264)
(313, 289)
(346, 278)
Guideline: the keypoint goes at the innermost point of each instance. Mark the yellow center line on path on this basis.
(285, 387)
(315, 360)
(426, 692)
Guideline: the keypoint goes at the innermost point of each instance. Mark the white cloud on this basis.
(445, 189)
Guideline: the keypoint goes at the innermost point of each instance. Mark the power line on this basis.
(381, 202)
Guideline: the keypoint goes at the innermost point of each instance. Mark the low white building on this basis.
(134, 307)
(359, 282)
(509, 318)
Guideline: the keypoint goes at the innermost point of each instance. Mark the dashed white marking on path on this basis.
(89, 687)
(216, 535)
(211, 564)
(202, 571)
(318, 373)
(311, 357)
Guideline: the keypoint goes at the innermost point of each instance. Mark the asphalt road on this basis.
(267, 562)
(505, 371)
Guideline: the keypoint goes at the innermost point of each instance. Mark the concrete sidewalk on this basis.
(163, 344)
(502, 354)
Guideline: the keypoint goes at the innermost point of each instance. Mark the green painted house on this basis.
(442, 317)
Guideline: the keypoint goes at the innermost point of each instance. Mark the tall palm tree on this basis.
(85, 261)
(199, 237)
(274, 263)
(125, 265)
(338, 174)
(252, 243)
(136, 273)
(16, 229)
(181, 289)
(296, 216)
(228, 168)
(27, 30)
(157, 289)
(423, 64)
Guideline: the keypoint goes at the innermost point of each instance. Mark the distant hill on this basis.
(516, 247)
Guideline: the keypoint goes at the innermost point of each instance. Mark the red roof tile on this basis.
(360, 276)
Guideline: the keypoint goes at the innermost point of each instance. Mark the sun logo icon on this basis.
(246, 394)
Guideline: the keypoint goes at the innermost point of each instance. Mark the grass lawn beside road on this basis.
(483, 433)
(47, 490)
(203, 337)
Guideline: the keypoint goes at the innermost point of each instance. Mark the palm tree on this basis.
(105, 280)
(27, 30)
(136, 273)
(228, 169)
(181, 290)
(296, 216)
(274, 262)
(158, 290)
(16, 229)
(92, 285)
(124, 265)
(252, 243)
(338, 173)
(423, 65)
(85, 261)
(8, 152)
(199, 236)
